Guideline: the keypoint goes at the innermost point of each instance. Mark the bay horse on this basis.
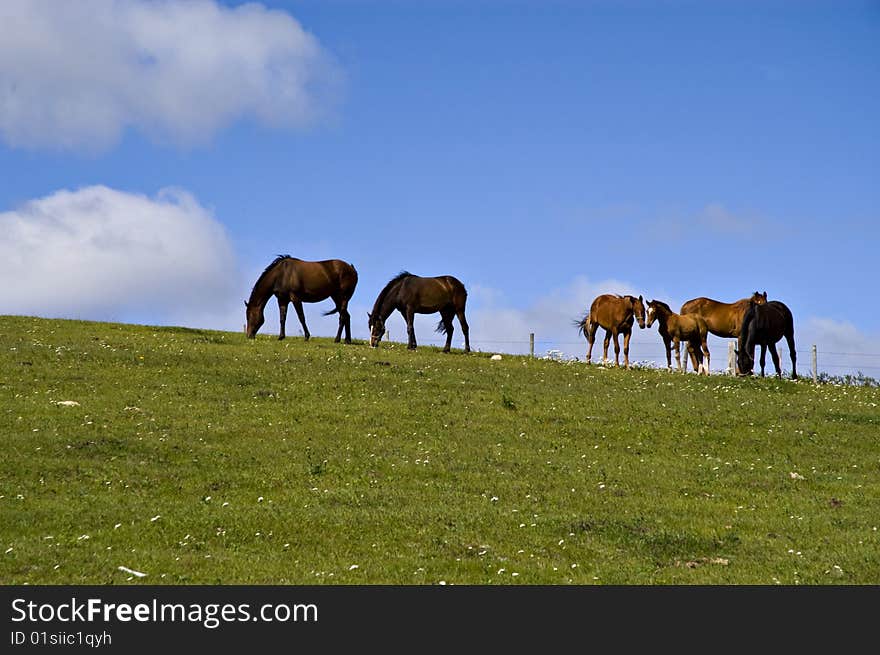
(293, 280)
(764, 325)
(722, 318)
(675, 328)
(614, 313)
(410, 295)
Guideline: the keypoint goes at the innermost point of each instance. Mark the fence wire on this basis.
(548, 346)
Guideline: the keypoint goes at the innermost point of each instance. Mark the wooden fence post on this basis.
(731, 359)
(814, 363)
(531, 344)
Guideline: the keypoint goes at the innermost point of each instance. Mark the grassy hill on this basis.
(198, 457)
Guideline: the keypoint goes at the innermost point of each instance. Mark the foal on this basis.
(675, 328)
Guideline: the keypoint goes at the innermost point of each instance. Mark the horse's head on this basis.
(377, 330)
(639, 310)
(652, 312)
(255, 319)
(745, 360)
(759, 298)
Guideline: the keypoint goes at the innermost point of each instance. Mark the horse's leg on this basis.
(298, 306)
(676, 342)
(693, 357)
(590, 334)
(446, 317)
(282, 315)
(605, 346)
(341, 309)
(410, 316)
(763, 358)
(626, 338)
(344, 320)
(341, 322)
(775, 356)
(668, 343)
(465, 330)
(614, 333)
(705, 348)
(789, 338)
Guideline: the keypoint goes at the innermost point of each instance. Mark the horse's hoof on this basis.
(281, 338)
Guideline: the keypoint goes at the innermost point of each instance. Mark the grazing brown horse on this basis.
(410, 295)
(293, 280)
(615, 314)
(764, 325)
(675, 328)
(723, 319)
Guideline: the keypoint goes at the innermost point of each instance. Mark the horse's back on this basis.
(701, 305)
(768, 323)
(431, 294)
(609, 310)
(317, 280)
(723, 319)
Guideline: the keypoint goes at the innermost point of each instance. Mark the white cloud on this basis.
(721, 220)
(98, 253)
(714, 220)
(841, 346)
(76, 74)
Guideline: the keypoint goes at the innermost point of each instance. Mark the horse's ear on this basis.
(640, 298)
(245, 303)
(765, 295)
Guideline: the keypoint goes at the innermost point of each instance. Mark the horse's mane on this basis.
(272, 264)
(391, 283)
(663, 305)
(748, 317)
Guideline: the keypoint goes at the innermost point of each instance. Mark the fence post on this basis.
(731, 359)
(814, 363)
(531, 344)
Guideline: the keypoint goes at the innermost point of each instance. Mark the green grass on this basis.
(200, 458)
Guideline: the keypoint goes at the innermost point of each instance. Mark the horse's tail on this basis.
(441, 327)
(582, 323)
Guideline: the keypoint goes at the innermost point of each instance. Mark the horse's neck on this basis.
(387, 303)
(668, 320)
(264, 288)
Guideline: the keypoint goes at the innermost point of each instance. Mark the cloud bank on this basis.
(98, 253)
(75, 75)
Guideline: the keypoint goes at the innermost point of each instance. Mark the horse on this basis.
(615, 314)
(723, 319)
(293, 280)
(410, 295)
(675, 328)
(764, 325)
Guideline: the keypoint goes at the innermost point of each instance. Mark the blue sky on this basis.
(542, 152)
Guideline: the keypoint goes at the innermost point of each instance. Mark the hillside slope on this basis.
(198, 457)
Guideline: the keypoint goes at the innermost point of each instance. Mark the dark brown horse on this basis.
(615, 314)
(675, 328)
(764, 325)
(293, 280)
(410, 295)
